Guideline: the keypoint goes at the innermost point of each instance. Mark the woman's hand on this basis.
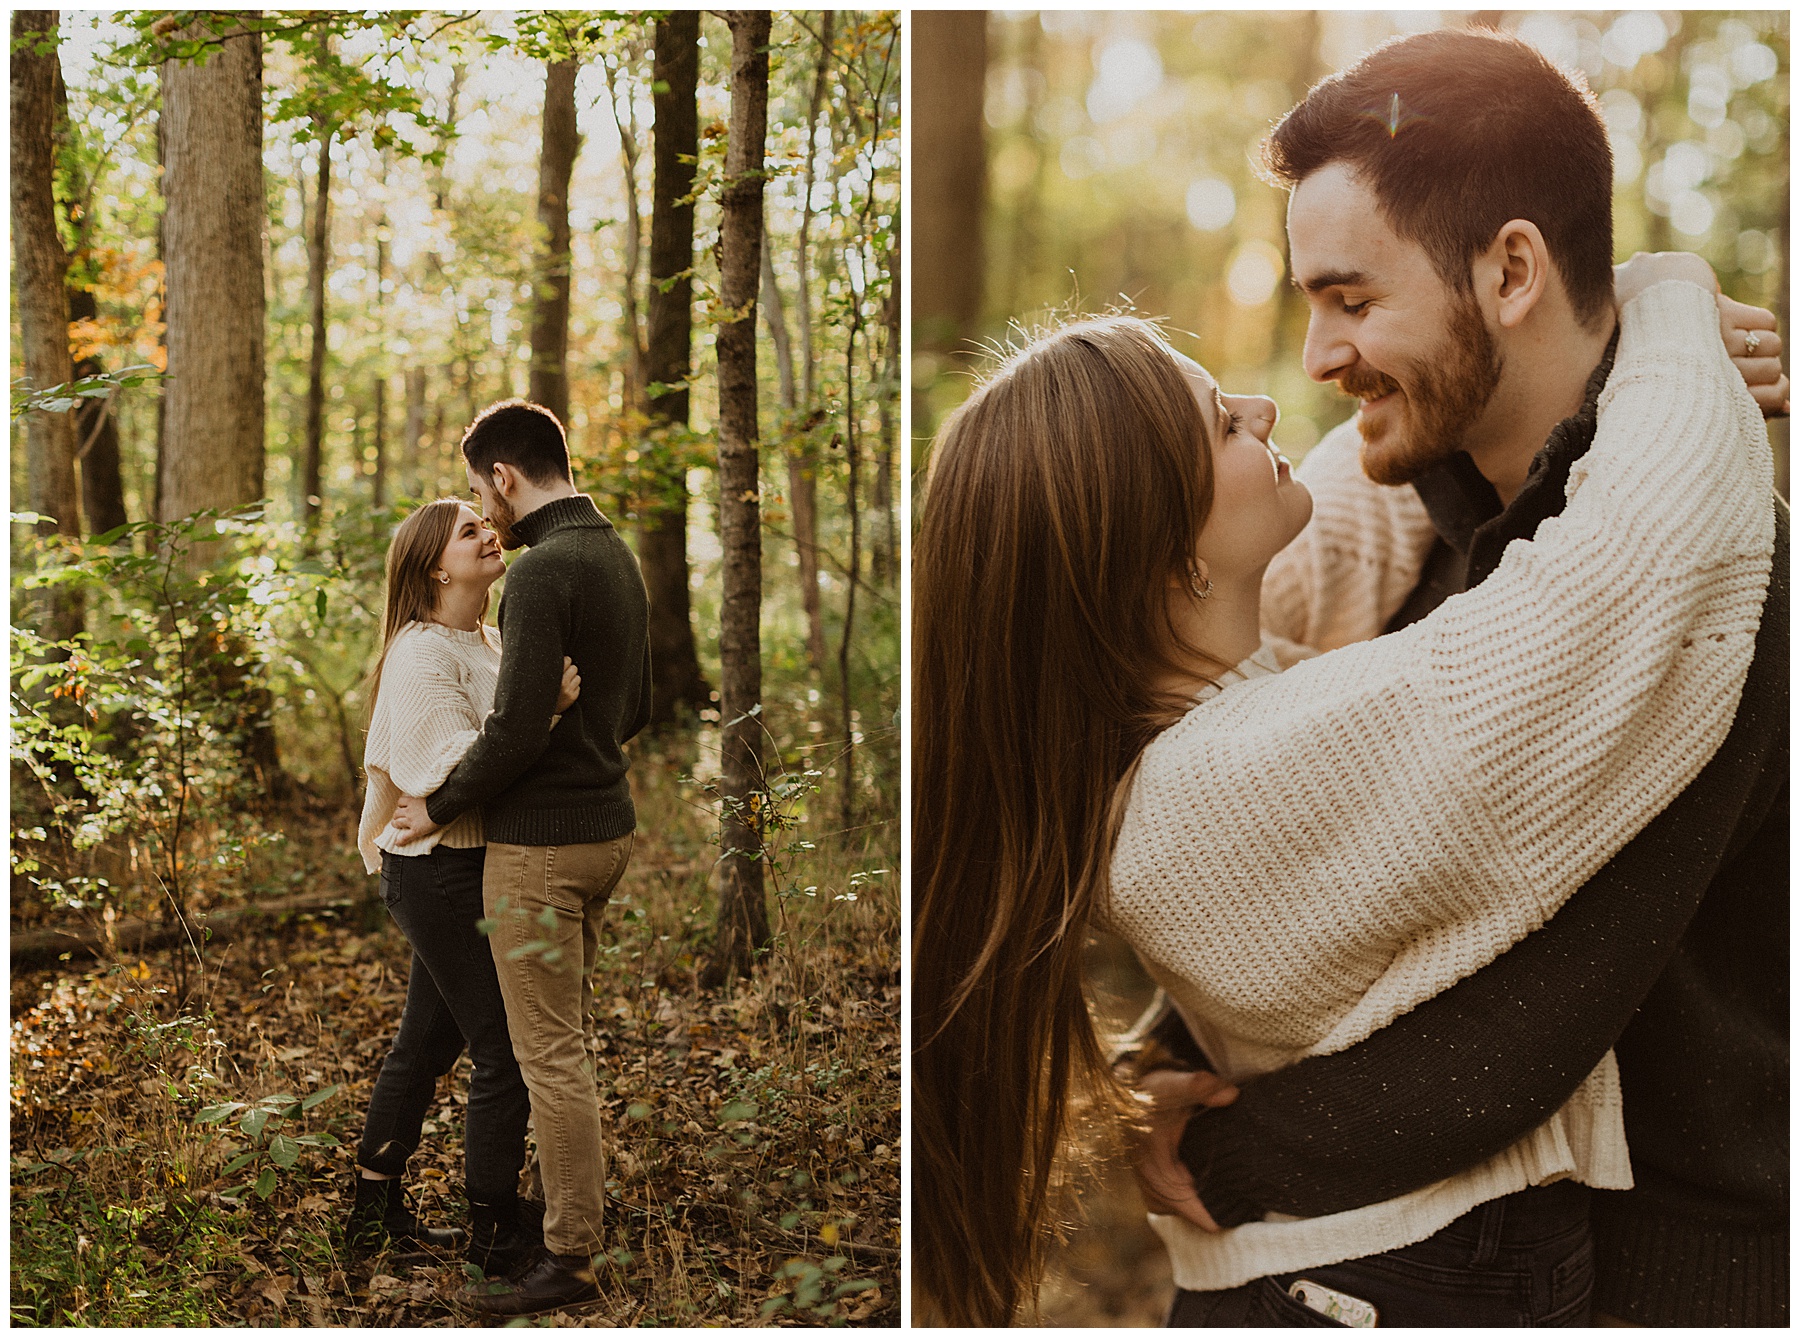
(1173, 1096)
(1648, 268)
(1749, 332)
(1755, 350)
(571, 686)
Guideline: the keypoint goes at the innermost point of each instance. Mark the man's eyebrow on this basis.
(1331, 278)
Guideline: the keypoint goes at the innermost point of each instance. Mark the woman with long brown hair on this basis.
(1100, 738)
(430, 691)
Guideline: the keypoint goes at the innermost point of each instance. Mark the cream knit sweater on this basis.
(436, 688)
(1307, 855)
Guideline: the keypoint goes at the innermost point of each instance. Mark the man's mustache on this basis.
(1366, 383)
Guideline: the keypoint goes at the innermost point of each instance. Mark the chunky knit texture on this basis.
(1305, 857)
(577, 592)
(437, 686)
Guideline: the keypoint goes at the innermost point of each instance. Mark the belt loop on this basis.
(1493, 1228)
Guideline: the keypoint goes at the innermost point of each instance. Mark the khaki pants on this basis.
(547, 903)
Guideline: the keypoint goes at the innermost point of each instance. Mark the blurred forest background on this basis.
(266, 268)
(1116, 149)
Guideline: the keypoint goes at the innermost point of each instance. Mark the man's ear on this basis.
(1513, 275)
(505, 480)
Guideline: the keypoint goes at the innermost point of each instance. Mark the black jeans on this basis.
(1524, 1260)
(452, 1000)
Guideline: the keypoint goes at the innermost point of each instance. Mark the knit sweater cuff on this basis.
(1668, 1271)
(1223, 1180)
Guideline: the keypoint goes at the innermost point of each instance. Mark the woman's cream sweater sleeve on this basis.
(1313, 853)
(421, 686)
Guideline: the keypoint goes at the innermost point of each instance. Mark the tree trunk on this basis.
(677, 682)
(550, 305)
(853, 466)
(213, 239)
(41, 268)
(802, 489)
(379, 482)
(743, 924)
(887, 547)
(317, 257)
(802, 459)
(629, 152)
(415, 429)
(96, 421)
(97, 442)
(214, 207)
(948, 164)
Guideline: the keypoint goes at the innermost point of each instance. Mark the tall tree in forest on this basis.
(743, 920)
(212, 123)
(887, 544)
(662, 535)
(550, 302)
(318, 256)
(948, 164)
(803, 489)
(41, 268)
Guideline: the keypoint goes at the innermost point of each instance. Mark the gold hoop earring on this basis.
(444, 579)
(1202, 586)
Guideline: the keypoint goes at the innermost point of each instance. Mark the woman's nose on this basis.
(1258, 412)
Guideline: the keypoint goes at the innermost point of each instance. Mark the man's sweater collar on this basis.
(578, 511)
(1464, 508)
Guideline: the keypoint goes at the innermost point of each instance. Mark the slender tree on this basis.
(662, 535)
(550, 308)
(801, 462)
(41, 267)
(318, 248)
(743, 924)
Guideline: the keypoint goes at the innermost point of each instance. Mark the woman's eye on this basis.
(1355, 308)
(1234, 422)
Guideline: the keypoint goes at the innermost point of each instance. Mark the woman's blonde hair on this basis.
(412, 594)
(1063, 497)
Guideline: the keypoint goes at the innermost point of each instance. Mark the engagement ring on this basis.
(1751, 340)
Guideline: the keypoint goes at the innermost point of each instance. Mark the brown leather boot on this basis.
(557, 1281)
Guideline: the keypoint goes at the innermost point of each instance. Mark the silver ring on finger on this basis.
(1751, 340)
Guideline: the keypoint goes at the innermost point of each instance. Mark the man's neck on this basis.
(531, 498)
(1545, 380)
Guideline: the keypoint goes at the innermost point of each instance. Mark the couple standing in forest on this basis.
(500, 818)
(1446, 801)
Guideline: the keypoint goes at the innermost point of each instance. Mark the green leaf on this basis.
(738, 1109)
(218, 1114)
(253, 1122)
(852, 1287)
(637, 1110)
(238, 1162)
(319, 605)
(265, 1183)
(317, 1098)
(283, 1151)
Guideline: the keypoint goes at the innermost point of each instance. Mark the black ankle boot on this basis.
(381, 1214)
(504, 1234)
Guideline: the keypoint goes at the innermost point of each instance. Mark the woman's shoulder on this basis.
(431, 647)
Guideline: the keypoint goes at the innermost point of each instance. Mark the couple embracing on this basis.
(498, 793)
(1440, 786)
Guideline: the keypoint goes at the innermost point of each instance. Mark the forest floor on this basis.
(753, 1132)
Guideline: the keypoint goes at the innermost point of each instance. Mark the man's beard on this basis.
(1445, 392)
(500, 514)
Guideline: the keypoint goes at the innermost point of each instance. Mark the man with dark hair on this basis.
(1450, 224)
(558, 813)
